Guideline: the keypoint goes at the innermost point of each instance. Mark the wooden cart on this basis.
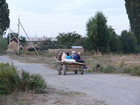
(64, 66)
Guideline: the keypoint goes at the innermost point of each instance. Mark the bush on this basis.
(12, 80)
(109, 69)
(122, 63)
(126, 70)
(8, 78)
(135, 71)
(3, 45)
(33, 82)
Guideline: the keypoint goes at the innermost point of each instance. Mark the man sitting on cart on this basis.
(77, 57)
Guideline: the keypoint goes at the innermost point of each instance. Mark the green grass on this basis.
(109, 69)
(133, 70)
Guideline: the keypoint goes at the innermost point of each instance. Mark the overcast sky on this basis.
(51, 17)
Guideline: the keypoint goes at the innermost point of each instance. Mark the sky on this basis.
(50, 17)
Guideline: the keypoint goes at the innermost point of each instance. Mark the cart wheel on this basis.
(64, 69)
(82, 70)
(75, 71)
(59, 70)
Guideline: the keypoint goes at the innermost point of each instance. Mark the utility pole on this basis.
(18, 35)
(9, 36)
(19, 24)
(28, 38)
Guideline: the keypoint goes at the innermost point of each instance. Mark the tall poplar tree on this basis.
(4, 16)
(127, 42)
(133, 11)
(98, 33)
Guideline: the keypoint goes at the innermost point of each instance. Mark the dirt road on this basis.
(111, 89)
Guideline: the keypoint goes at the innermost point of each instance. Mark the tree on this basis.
(3, 44)
(127, 42)
(4, 16)
(133, 11)
(82, 42)
(114, 40)
(22, 39)
(48, 44)
(66, 40)
(98, 33)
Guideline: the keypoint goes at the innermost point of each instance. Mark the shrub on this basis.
(109, 69)
(8, 78)
(3, 45)
(135, 71)
(122, 63)
(37, 83)
(126, 70)
(11, 80)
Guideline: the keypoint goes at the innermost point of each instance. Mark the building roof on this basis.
(36, 39)
(76, 47)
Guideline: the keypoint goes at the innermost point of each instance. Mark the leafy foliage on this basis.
(15, 36)
(133, 11)
(114, 40)
(82, 42)
(132, 70)
(109, 69)
(66, 40)
(12, 80)
(135, 71)
(48, 44)
(98, 33)
(3, 45)
(127, 42)
(4, 16)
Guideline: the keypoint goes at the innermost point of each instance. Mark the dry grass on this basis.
(17, 99)
(118, 61)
